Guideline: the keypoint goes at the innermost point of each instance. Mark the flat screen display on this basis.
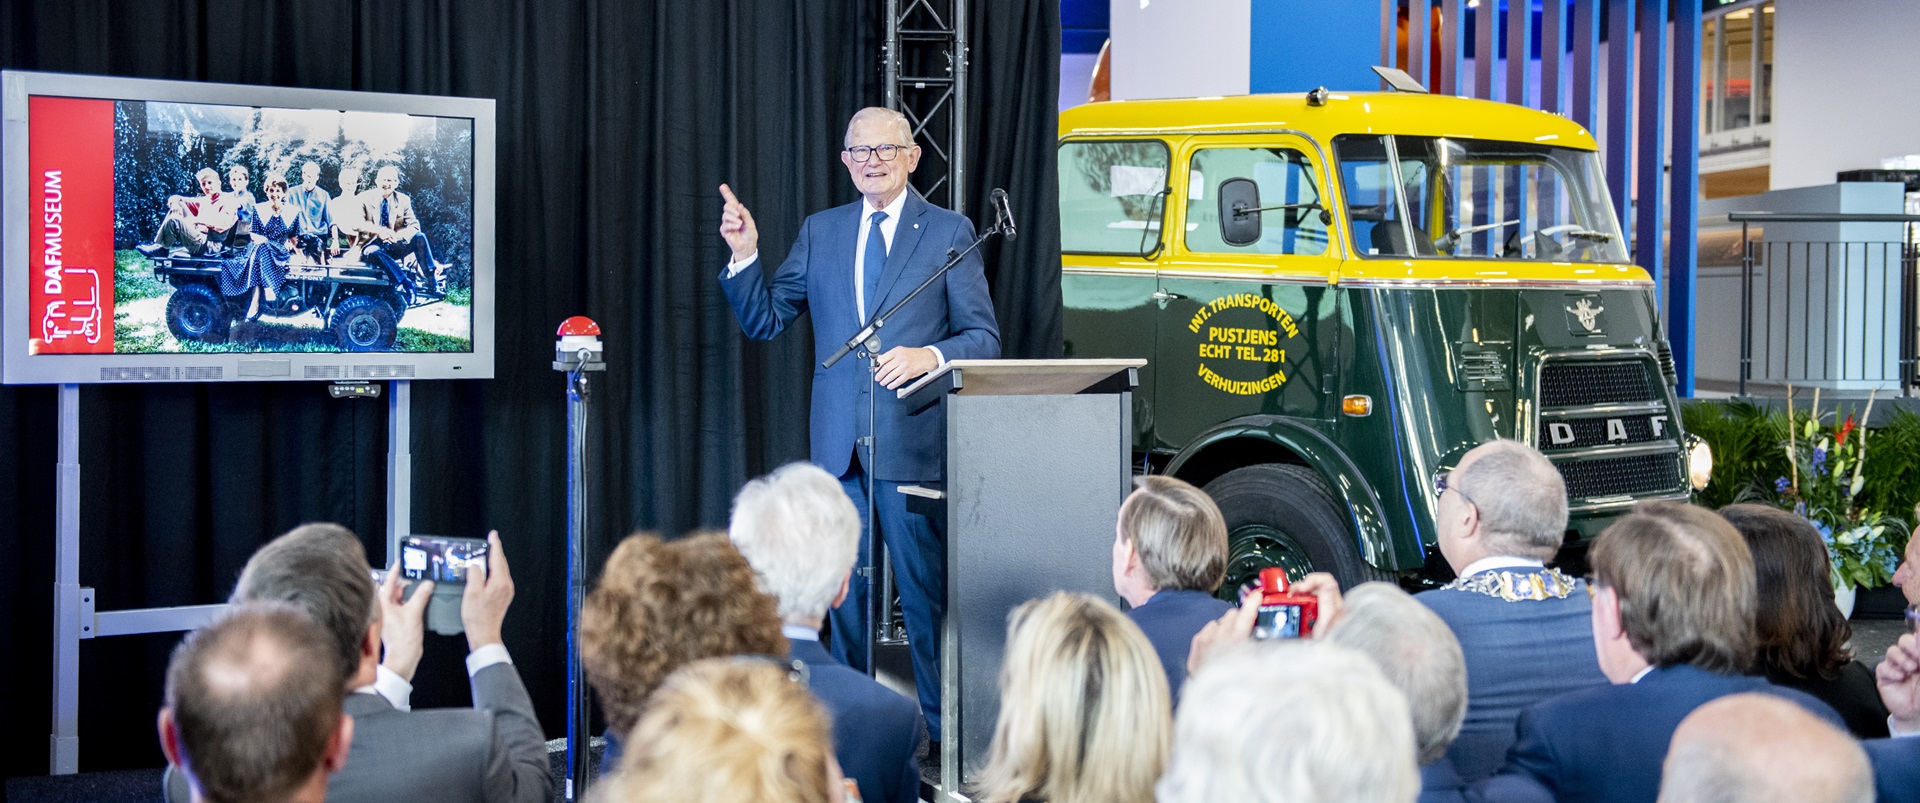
(174, 231)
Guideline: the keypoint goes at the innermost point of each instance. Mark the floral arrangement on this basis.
(1825, 477)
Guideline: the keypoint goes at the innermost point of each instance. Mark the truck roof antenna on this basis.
(1399, 80)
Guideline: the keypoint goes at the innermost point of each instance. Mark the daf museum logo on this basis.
(1583, 318)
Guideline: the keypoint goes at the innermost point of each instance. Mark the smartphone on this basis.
(439, 558)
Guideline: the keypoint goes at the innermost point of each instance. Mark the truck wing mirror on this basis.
(1239, 211)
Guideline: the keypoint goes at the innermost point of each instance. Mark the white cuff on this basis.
(938, 356)
(734, 268)
(393, 687)
(486, 656)
(1894, 730)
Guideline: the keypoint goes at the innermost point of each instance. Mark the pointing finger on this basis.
(727, 193)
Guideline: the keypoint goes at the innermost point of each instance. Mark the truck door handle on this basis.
(1163, 296)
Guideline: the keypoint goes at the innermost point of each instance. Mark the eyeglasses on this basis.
(1440, 488)
(886, 152)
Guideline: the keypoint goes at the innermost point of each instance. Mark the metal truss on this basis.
(926, 79)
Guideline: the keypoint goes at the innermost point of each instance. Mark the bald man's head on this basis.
(1758, 748)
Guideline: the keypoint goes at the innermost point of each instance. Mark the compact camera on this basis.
(1283, 614)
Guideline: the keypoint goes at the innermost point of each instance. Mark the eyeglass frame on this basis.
(1440, 488)
(874, 151)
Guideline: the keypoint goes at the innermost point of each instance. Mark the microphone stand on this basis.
(867, 341)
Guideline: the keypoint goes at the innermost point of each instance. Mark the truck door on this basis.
(1112, 202)
(1247, 329)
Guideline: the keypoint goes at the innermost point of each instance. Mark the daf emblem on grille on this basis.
(1586, 313)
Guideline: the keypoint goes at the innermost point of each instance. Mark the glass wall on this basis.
(1737, 69)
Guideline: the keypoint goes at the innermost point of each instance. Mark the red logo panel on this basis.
(70, 228)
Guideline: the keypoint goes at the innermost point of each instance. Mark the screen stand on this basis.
(74, 617)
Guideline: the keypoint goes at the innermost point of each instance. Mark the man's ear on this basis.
(1606, 615)
(169, 737)
(370, 645)
(338, 745)
(846, 584)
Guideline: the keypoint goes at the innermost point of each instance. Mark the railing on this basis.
(1865, 288)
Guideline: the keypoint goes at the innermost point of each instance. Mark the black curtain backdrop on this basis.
(617, 120)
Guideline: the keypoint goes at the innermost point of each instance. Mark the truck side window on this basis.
(1366, 175)
(1284, 177)
(1107, 191)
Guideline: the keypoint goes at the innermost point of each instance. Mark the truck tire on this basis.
(1283, 515)
(196, 312)
(364, 323)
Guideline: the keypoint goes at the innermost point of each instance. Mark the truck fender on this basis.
(1274, 439)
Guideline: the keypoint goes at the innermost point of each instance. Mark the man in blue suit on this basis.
(1169, 554)
(1523, 627)
(849, 264)
(800, 532)
(1673, 613)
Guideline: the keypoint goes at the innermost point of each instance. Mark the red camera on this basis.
(1283, 614)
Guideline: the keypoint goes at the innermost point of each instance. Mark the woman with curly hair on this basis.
(1800, 634)
(1084, 711)
(725, 730)
(660, 605)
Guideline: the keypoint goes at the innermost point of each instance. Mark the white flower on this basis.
(1849, 537)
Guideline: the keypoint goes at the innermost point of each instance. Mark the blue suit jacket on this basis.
(1518, 653)
(875, 730)
(1607, 743)
(1170, 618)
(955, 315)
(1896, 768)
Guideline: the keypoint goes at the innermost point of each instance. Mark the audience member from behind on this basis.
(1420, 657)
(660, 605)
(1757, 748)
(1524, 628)
(493, 751)
(1291, 721)
(1169, 555)
(724, 731)
(253, 708)
(1800, 638)
(1673, 624)
(799, 530)
(1084, 713)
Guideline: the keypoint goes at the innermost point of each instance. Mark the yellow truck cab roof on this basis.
(1407, 113)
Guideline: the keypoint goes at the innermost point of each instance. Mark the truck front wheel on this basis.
(1283, 515)
(196, 312)
(364, 323)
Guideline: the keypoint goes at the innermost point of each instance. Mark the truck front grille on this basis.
(1608, 427)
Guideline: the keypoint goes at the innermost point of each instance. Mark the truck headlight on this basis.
(1699, 462)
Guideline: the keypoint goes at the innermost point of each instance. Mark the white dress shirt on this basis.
(388, 683)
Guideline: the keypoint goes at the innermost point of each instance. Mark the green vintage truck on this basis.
(1339, 294)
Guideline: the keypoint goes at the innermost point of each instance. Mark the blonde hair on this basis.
(723, 730)
(1084, 711)
(1179, 533)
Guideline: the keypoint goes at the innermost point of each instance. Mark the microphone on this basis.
(999, 200)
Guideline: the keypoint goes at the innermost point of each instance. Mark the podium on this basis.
(1038, 462)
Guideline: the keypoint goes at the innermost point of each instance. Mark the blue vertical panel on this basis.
(1619, 154)
(1683, 261)
(1650, 216)
(1585, 106)
(1553, 52)
(1419, 28)
(1486, 47)
(1453, 52)
(1519, 45)
(1296, 45)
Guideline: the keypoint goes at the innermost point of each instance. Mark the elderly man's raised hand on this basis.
(1899, 680)
(483, 608)
(736, 226)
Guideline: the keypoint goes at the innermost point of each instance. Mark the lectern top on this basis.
(1021, 377)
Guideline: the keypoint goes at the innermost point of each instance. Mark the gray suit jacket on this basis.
(494, 751)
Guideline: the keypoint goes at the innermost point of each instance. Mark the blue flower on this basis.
(1891, 562)
(1819, 460)
(1826, 532)
(1781, 485)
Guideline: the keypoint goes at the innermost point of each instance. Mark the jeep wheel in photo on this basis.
(197, 312)
(1283, 515)
(364, 323)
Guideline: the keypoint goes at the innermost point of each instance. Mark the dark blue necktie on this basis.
(385, 222)
(876, 259)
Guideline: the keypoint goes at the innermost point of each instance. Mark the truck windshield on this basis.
(1474, 198)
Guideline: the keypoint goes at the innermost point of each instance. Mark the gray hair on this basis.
(1758, 748)
(1416, 651)
(1293, 720)
(321, 569)
(880, 114)
(801, 533)
(1521, 497)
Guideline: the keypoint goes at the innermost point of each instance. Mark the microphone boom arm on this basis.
(870, 332)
